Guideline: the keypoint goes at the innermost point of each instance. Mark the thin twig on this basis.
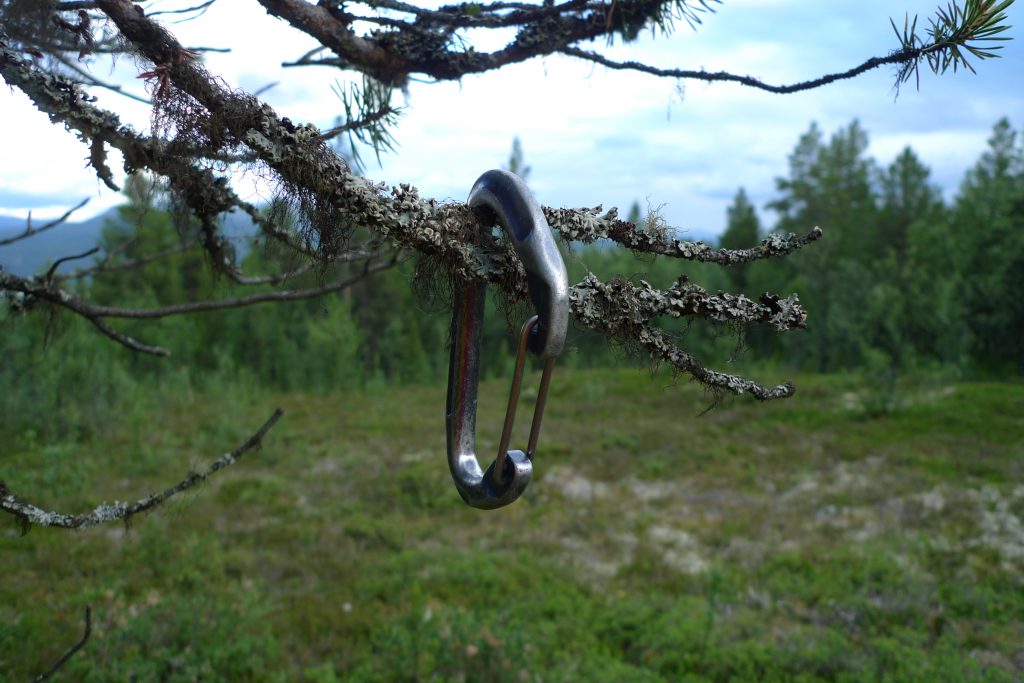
(126, 341)
(106, 266)
(89, 79)
(70, 653)
(900, 57)
(277, 278)
(64, 259)
(239, 302)
(369, 119)
(200, 8)
(96, 314)
(73, 5)
(262, 89)
(30, 514)
(30, 231)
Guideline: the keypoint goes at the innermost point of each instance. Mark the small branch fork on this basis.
(31, 231)
(30, 514)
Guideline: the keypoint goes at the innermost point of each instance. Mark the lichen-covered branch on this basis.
(590, 225)
(597, 307)
(65, 102)
(641, 303)
(30, 514)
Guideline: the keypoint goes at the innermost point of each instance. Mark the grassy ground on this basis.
(814, 539)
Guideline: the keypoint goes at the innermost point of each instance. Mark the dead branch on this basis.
(45, 290)
(898, 57)
(70, 653)
(29, 514)
(64, 259)
(30, 231)
(107, 266)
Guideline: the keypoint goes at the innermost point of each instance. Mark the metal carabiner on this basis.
(510, 201)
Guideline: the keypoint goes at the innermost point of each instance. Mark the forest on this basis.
(903, 282)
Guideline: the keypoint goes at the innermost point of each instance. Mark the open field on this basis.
(813, 539)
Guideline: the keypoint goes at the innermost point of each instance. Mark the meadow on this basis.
(847, 534)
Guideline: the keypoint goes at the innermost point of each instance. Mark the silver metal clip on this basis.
(507, 197)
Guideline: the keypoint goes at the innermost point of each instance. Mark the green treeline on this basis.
(902, 281)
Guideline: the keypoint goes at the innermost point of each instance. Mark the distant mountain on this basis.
(30, 256)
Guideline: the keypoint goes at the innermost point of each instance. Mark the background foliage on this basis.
(902, 282)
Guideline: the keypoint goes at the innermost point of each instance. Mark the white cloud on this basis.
(593, 135)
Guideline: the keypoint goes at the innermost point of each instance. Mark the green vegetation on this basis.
(804, 540)
(869, 529)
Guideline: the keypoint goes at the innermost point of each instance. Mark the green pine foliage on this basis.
(901, 281)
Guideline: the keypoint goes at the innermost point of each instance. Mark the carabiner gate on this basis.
(508, 198)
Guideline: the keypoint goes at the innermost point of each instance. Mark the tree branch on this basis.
(123, 339)
(64, 259)
(642, 303)
(94, 313)
(105, 266)
(64, 101)
(30, 231)
(589, 225)
(30, 514)
(332, 201)
(70, 653)
(899, 57)
(392, 56)
(599, 309)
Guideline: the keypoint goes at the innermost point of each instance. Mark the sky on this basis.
(592, 136)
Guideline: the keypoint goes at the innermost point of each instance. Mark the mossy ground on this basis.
(812, 539)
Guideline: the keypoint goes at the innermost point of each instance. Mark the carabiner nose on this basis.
(510, 201)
